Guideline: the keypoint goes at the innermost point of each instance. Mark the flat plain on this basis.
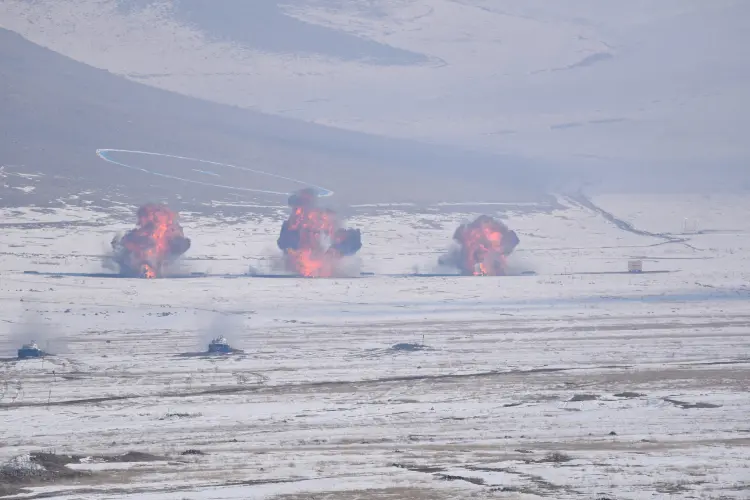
(578, 380)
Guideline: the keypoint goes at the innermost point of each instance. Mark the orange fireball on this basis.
(482, 247)
(312, 239)
(143, 251)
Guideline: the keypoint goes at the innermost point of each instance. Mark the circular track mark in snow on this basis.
(103, 154)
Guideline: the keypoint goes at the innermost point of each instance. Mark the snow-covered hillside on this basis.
(584, 83)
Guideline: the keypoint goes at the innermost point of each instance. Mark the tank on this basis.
(220, 345)
(30, 350)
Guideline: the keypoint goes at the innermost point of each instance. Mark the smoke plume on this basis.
(481, 248)
(313, 239)
(226, 325)
(32, 328)
(157, 240)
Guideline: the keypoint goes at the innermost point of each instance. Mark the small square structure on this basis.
(635, 266)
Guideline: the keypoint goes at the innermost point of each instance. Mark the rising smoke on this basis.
(157, 240)
(31, 327)
(226, 325)
(481, 248)
(313, 239)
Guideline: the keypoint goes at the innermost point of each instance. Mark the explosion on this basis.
(312, 239)
(482, 247)
(144, 251)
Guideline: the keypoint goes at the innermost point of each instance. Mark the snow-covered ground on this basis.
(561, 384)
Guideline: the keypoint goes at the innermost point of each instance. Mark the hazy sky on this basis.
(639, 84)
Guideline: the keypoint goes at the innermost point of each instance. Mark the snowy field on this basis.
(577, 382)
